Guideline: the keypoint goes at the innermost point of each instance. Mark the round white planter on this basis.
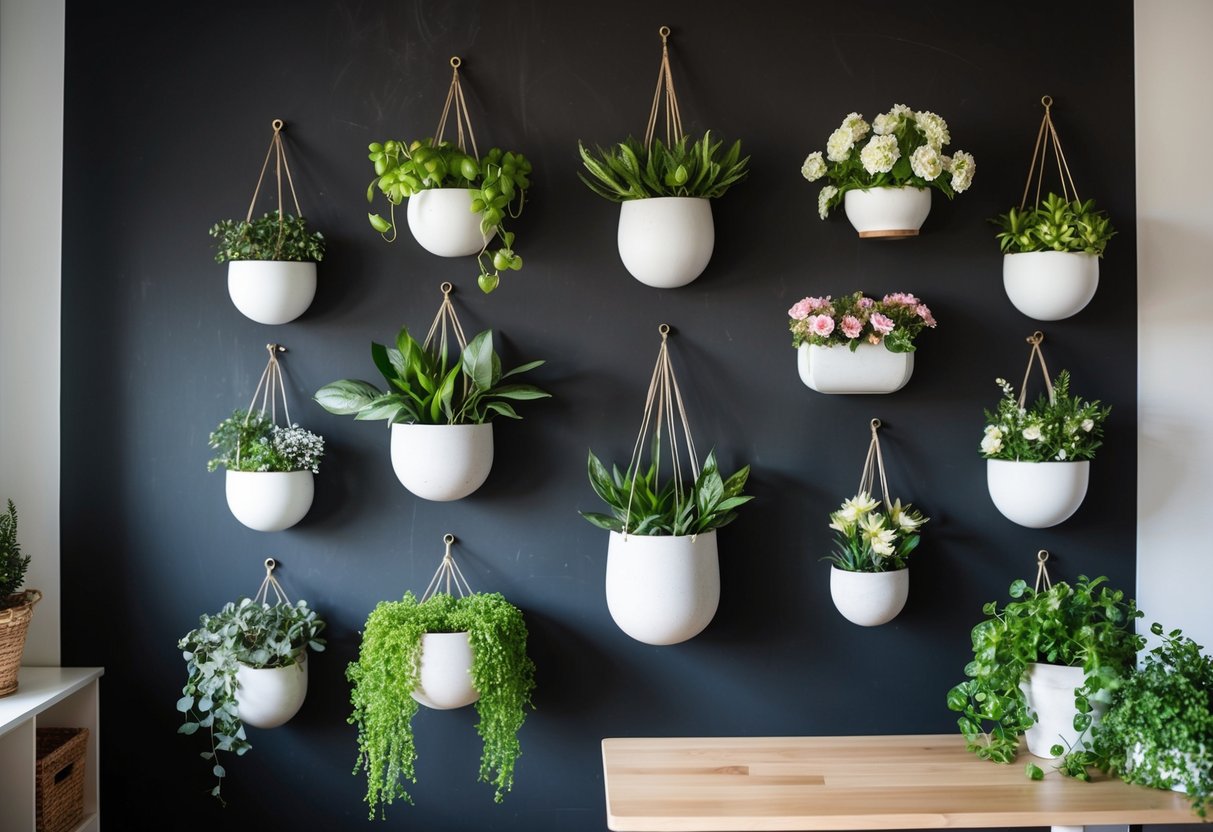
(445, 679)
(887, 212)
(869, 599)
(1049, 690)
(271, 291)
(870, 369)
(443, 222)
(266, 697)
(666, 241)
(442, 462)
(1037, 494)
(270, 501)
(662, 590)
(1050, 285)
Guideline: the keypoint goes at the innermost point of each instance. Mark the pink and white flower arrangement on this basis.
(895, 321)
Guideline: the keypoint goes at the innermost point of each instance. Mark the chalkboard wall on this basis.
(167, 119)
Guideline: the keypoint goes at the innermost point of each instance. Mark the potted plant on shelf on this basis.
(271, 273)
(457, 201)
(666, 234)
(878, 335)
(16, 606)
(247, 665)
(883, 172)
(439, 406)
(1039, 457)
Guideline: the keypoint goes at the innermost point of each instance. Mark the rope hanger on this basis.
(1041, 153)
(665, 82)
(463, 121)
(873, 469)
(1036, 339)
(1042, 573)
(448, 575)
(268, 583)
(270, 388)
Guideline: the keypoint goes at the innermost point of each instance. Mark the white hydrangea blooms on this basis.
(880, 154)
(838, 146)
(814, 167)
(962, 167)
(926, 162)
(934, 128)
(890, 122)
(855, 123)
(823, 200)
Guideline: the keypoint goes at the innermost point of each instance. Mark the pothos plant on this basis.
(1056, 225)
(684, 168)
(252, 442)
(388, 671)
(269, 237)
(1065, 429)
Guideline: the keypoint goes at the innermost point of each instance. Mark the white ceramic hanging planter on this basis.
(1037, 494)
(887, 212)
(666, 241)
(870, 369)
(1049, 691)
(443, 223)
(445, 675)
(270, 501)
(442, 462)
(662, 590)
(1050, 285)
(869, 599)
(267, 697)
(271, 291)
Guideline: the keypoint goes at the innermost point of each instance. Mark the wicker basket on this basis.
(60, 776)
(14, 624)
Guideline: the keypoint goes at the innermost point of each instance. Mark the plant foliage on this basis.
(1057, 225)
(269, 237)
(1067, 429)
(12, 563)
(867, 539)
(686, 168)
(252, 442)
(895, 321)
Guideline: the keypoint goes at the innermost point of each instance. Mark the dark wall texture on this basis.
(168, 116)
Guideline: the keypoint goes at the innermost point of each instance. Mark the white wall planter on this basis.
(662, 590)
(1049, 690)
(887, 212)
(445, 679)
(869, 599)
(666, 241)
(267, 697)
(870, 369)
(1037, 494)
(271, 291)
(442, 462)
(1050, 285)
(443, 223)
(270, 501)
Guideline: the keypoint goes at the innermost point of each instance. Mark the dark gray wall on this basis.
(167, 118)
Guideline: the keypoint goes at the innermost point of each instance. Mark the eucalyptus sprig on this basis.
(686, 168)
(269, 237)
(1056, 225)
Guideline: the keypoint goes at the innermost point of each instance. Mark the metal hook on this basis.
(270, 563)
(664, 31)
(273, 348)
(1036, 338)
(456, 61)
(448, 539)
(875, 425)
(1047, 101)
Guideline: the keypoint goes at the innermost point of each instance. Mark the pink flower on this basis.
(821, 325)
(866, 303)
(925, 314)
(800, 310)
(882, 323)
(851, 326)
(901, 299)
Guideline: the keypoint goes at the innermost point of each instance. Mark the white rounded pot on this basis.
(1037, 494)
(266, 697)
(666, 241)
(445, 676)
(271, 291)
(870, 369)
(869, 599)
(270, 501)
(1050, 285)
(1049, 690)
(662, 590)
(887, 212)
(443, 222)
(442, 462)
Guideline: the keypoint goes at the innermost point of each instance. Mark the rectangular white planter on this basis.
(871, 368)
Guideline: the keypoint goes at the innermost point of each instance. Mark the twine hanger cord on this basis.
(463, 120)
(271, 383)
(268, 583)
(873, 469)
(665, 82)
(278, 150)
(1042, 573)
(448, 575)
(1048, 129)
(1035, 339)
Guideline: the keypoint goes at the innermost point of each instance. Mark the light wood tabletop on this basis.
(882, 782)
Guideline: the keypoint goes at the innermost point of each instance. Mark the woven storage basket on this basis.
(60, 776)
(14, 624)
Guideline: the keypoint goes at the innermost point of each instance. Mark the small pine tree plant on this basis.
(12, 563)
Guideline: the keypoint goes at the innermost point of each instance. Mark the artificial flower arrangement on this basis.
(873, 537)
(900, 147)
(251, 441)
(895, 321)
(1062, 428)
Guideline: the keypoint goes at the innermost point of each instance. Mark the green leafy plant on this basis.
(270, 237)
(1066, 429)
(388, 670)
(867, 539)
(247, 632)
(12, 563)
(426, 386)
(1056, 225)
(685, 168)
(1086, 625)
(252, 442)
(498, 182)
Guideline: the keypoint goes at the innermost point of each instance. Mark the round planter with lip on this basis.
(1050, 285)
(442, 462)
(1037, 495)
(270, 501)
(869, 599)
(887, 212)
(271, 291)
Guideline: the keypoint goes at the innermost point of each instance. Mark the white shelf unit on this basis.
(47, 697)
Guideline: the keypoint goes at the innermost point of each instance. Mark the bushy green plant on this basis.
(247, 632)
(252, 442)
(425, 386)
(1056, 225)
(1067, 429)
(868, 539)
(12, 563)
(686, 168)
(269, 237)
(388, 671)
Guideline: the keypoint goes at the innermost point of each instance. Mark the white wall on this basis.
(31, 187)
(1175, 314)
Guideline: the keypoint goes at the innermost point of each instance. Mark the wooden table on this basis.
(892, 782)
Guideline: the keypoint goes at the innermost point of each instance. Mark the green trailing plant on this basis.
(1056, 225)
(270, 237)
(248, 632)
(1066, 429)
(427, 386)
(684, 168)
(388, 670)
(13, 564)
(252, 442)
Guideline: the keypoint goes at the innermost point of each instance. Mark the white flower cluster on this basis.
(880, 154)
(890, 122)
(926, 162)
(962, 167)
(300, 448)
(838, 146)
(823, 200)
(934, 128)
(814, 166)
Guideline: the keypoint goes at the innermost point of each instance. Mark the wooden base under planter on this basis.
(891, 234)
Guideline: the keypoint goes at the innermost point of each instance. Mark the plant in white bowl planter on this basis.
(857, 344)
(883, 172)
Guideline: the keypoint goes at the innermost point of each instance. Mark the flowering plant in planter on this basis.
(900, 147)
(868, 539)
(253, 442)
(895, 321)
(1064, 429)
